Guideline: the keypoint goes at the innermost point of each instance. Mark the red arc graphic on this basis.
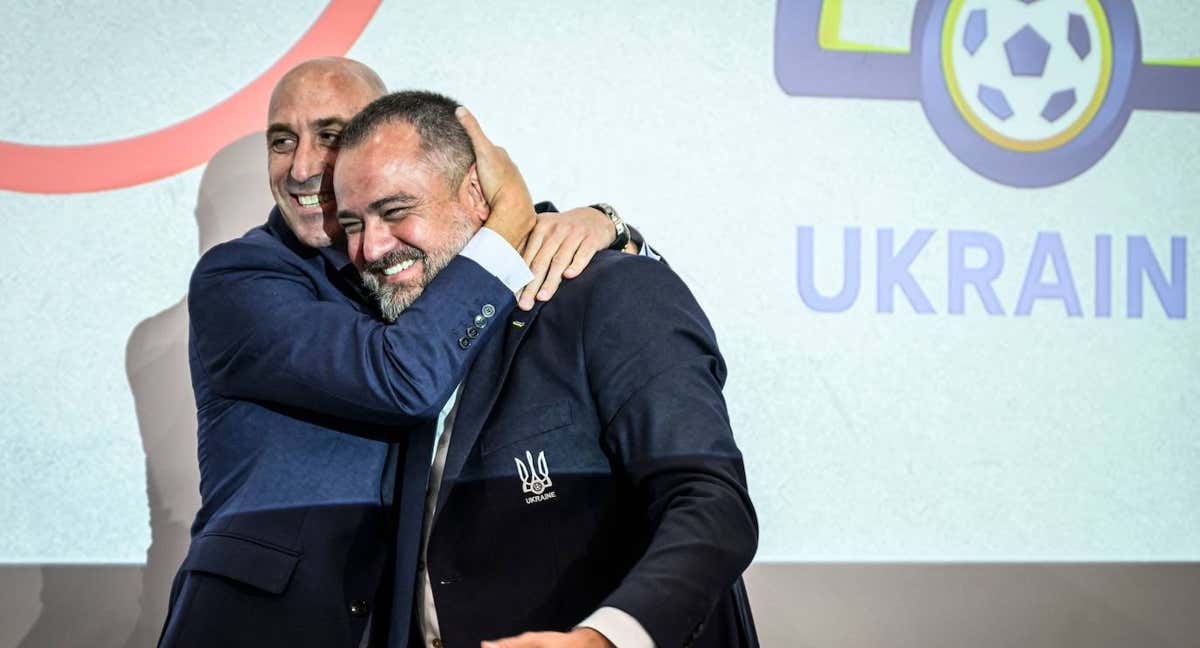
(176, 148)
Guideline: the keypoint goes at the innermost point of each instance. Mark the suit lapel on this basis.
(483, 385)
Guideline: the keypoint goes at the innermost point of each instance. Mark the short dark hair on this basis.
(443, 140)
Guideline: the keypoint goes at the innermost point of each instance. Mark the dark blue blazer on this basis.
(591, 463)
(307, 402)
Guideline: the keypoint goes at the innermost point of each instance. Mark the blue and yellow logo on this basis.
(1030, 93)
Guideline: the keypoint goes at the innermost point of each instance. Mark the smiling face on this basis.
(403, 221)
(308, 109)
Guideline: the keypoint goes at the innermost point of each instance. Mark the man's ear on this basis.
(471, 195)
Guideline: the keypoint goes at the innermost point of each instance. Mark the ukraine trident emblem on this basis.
(534, 478)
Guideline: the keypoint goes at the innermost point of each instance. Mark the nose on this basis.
(309, 161)
(377, 240)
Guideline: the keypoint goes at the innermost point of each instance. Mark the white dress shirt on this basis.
(494, 254)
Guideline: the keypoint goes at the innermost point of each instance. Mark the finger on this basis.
(525, 299)
(533, 244)
(539, 266)
(582, 258)
(525, 640)
(554, 275)
(478, 140)
(541, 260)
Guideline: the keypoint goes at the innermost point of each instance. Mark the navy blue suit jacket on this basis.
(306, 402)
(591, 463)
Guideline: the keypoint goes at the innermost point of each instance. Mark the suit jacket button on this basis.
(359, 608)
(489, 310)
(472, 332)
(480, 321)
(464, 342)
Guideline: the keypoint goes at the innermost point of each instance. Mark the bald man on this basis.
(310, 402)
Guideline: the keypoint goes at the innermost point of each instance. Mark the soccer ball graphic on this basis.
(1028, 75)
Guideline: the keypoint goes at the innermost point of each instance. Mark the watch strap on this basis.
(622, 230)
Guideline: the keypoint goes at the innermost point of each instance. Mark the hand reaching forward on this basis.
(577, 638)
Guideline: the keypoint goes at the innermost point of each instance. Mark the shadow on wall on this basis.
(124, 606)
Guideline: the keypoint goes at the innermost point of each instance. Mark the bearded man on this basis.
(585, 489)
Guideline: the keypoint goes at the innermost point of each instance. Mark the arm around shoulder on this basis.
(261, 331)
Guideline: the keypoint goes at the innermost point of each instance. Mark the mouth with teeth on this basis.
(308, 201)
(398, 267)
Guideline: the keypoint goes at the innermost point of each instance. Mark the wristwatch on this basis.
(622, 230)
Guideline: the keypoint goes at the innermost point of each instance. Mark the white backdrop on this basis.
(868, 436)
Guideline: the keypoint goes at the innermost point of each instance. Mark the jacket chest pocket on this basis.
(243, 559)
(553, 434)
(526, 424)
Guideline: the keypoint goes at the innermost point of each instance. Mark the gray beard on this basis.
(393, 299)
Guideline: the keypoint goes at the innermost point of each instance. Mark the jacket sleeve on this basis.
(261, 332)
(656, 375)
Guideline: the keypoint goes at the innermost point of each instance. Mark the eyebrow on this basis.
(328, 121)
(378, 205)
(324, 122)
(397, 197)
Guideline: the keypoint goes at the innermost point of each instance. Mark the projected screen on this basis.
(946, 246)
